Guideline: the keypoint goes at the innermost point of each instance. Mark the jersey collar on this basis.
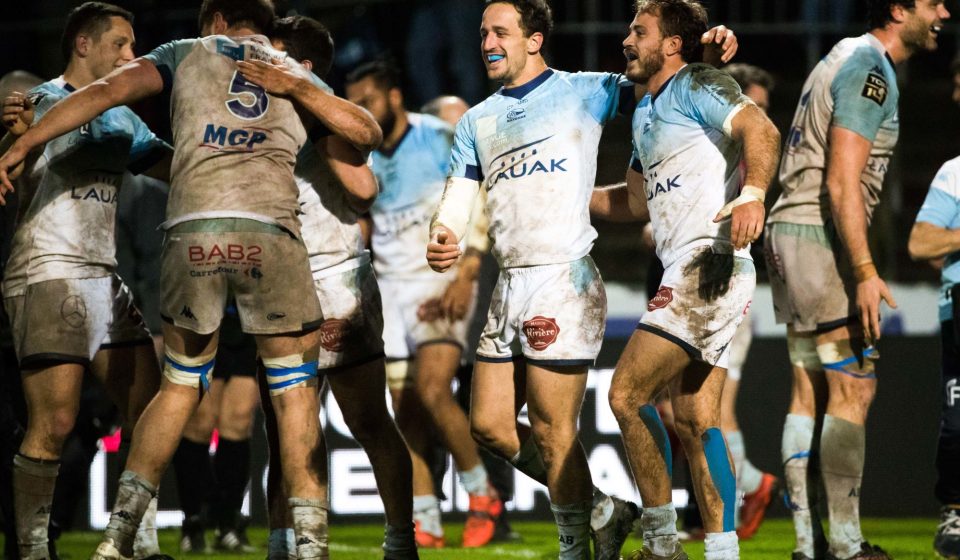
(875, 43)
(520, 92)
(388, 152)
(62, 84)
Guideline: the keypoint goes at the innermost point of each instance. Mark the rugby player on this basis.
(225, 230)
(689, 133)
(934, 238)
(69, 309)
(756, 486)
(423, 354)
(824, 283)
(532, 146)
(350, 338)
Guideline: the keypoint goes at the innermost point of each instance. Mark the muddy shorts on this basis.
(263, 266)
(403, 331)
(553, 315)
(810, 276)
(703, 298)
(352, 329)
(69, 320)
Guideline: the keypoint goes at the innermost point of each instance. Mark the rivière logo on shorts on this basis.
(541, 332)
(333, 333)
(662, 298)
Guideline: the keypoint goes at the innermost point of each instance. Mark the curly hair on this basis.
(878, 11)
(686, 19)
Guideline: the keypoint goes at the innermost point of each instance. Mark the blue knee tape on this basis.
(715, 449)
(282, 377)
(651, 419)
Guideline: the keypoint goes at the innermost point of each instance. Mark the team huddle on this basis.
(278, 187)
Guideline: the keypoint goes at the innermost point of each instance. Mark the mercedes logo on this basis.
(73, 311)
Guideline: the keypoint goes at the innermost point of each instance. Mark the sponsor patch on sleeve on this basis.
(875, 88)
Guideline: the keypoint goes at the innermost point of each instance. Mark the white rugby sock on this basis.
(310, 527)
(573, 524)
(748, 476)
(795, 451)
(474, 480)
(33, 483)
(602, 510)
(426, 510)
(842, 449)
(146, 543)
(721, 546)
(659, 525)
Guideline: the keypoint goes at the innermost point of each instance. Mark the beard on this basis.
(650, 63)
(916, 37)
(387, 123)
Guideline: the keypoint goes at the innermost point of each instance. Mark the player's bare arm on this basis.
(930, 242)
(127, 84)
(761, 153)
(351, 170)
(343, 118)
(623, 202)
(846, 160)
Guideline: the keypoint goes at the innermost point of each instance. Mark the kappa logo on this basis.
(541, 332)
(662, 298)
(333, 334)
(875, 88)
(73, 311)
(186, 312)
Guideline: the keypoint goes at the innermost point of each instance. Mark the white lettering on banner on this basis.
(953, 392)
(355, 489)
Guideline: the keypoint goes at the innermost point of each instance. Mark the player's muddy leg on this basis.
(132, 393)
(52, 396)
(436, 366)
(360, 392)
(647, 364)
(188, 365)
(800, 445)
(849, 363)
(411, 418)
(291, 368)
(281, 543)
(696, 404)
(554, 397)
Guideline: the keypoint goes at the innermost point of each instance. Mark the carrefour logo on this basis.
(524, 161)
(233, 139)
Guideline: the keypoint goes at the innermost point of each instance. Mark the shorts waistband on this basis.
(227, 225)
(533, 269)
(347, 265)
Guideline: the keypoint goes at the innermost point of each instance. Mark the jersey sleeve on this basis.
(167, 57)
(464, 160)
(942, 205)
(860, 95)
(712, 97)
(606, 95)
(147, 149)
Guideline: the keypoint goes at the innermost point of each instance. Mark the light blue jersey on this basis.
(855, 88)
(411, 178)
(67, 221)
(942, 209)
(690, 163)
(534, 148)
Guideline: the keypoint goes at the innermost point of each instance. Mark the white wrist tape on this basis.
(456, 205)
(479, 239)
(747, 194)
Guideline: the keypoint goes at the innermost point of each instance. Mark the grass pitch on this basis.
(905, 539)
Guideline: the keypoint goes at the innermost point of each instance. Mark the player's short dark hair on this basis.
(256, 14)
(686, 19)
(748, 75)
(306, 39)
(384, 73)
(878, 11)
(535, 16)
(89, 18)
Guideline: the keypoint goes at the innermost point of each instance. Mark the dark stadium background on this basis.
(775, 35)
